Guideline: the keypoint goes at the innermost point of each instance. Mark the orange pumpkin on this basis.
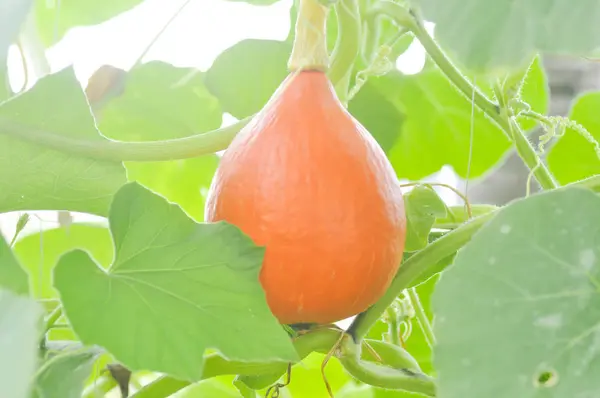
(306, 180)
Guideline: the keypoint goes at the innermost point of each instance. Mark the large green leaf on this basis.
(64, 375)
(39, 253)
(521, 300)
(437, 125)
(33, 177)
(160, 101)
(189, 286)
(502, 34)
(55, 17)
(374, 110)
(12, 276)
(19, 337)
(244, 76)
(12, 14)
(573, 157)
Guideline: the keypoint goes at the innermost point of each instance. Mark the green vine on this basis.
(498, 114)
(118, 151)
(398, 378)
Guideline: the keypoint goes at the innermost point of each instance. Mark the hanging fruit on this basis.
(308, 182)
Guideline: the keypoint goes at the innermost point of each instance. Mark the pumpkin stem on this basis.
(310, 42)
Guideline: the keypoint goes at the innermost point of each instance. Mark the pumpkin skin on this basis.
(308, 182)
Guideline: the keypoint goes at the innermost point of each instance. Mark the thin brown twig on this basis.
(326, 360)
(372, 351)
(277, 386)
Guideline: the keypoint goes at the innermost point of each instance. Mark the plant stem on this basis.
(309, 51)
(371, 37)
(531, 158)
(392, 355)
(120, 151)
(393, 326)
(53, 317)
(412, 268)
(110, 150)
(347, 45)
(458, 215)
(411, 21)
(421, 316)
(382, 376)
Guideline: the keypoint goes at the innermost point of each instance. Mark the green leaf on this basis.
(522, 299)
(12, 276)
(534, 90)
(64, 375)
(572, 157)
(382, 118)
(19, 336)
(54, 18)
(423, 205)
(161, 101)
(504, 34)
(220, 386)
(36, 178)
(244, 76)
(189, 286)
(39, 252)
(437, 125)
(12, 15)
(185, 182)
(244, 390)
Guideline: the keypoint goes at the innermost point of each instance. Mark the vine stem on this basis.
(393, 326)
(414, 267)
(382, 376)
(110, 150)
(421, 316)
(499, 115)
(53, 317)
